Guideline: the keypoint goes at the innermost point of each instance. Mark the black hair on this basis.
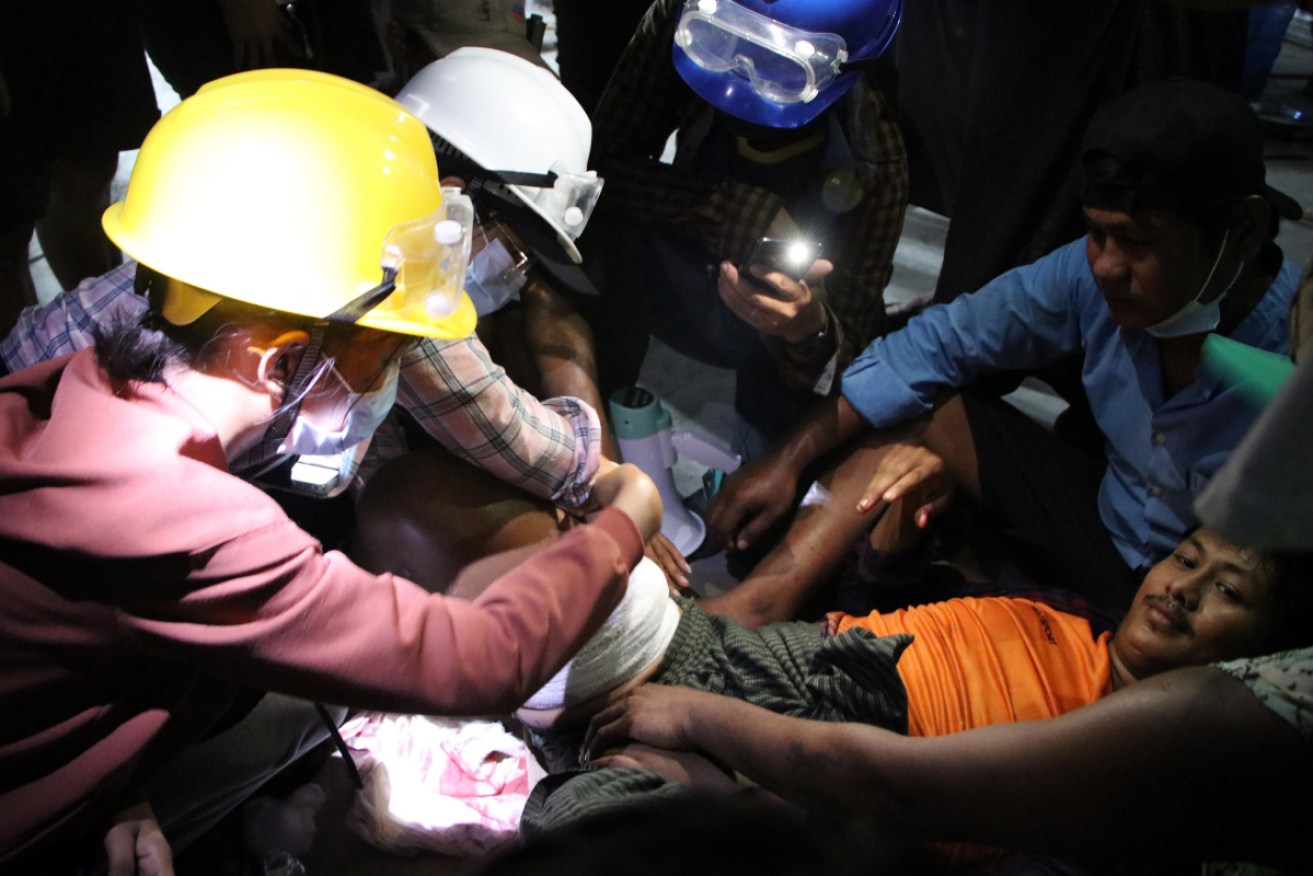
(145, 349)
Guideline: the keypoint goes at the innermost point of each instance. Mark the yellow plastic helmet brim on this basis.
(453, 327)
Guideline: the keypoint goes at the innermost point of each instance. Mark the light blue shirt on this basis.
(1161, 451)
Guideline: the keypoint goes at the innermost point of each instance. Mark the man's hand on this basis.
(136, 845)
(259, 33)
(750, 501)
(655, 714)
(627, 488)
(912, 472)
(663, 552)
(791, 312)
(682, 767)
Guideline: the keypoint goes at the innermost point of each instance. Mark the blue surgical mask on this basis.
(364, 412)
(1196, 317)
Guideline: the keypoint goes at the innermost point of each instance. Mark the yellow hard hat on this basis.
(302, 192)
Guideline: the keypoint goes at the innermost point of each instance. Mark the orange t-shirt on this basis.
(992, 660)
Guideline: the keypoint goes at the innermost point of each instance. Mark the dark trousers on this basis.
(654, 284)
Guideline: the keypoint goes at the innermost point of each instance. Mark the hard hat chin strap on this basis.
(366, 301)
(457, 163)
(307, 369)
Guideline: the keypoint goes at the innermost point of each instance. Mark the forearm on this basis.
(1184, 765)
(1187, 766)
(830, 422)
(821, 766)
(469, 405)
(561, 344)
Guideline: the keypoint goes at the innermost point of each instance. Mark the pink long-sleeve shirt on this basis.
(141, 585)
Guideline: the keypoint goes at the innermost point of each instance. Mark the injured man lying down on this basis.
(928, 670)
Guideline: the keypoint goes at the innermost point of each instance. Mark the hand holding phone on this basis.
(790, 257)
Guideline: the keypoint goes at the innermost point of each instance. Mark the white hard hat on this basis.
(513, 118)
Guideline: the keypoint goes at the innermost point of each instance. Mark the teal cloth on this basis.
(1257, 374)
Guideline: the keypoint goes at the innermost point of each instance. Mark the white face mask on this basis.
(361, 415)
(1195, 317)
(493, 278)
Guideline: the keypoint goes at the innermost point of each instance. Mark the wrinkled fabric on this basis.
(455, 786)
(141, 583)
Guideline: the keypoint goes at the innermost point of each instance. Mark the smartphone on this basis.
(790, 257)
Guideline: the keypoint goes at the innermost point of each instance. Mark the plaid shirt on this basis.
(457, 394)
(65, 325)
(452, 389)
(646, 100)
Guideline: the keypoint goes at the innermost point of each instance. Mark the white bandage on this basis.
(816, 497)
(634, 635)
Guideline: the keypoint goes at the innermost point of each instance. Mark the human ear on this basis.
(1249, 225)
(278, 359)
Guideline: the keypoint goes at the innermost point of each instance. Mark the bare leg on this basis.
(822, 533)
(447, 525)
(71, 236)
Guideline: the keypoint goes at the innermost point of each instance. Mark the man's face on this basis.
(1209, 600)
(1147, 264)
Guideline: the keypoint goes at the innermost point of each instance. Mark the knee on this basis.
(429, 514)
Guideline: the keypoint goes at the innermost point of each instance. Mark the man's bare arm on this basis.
(1185, 764)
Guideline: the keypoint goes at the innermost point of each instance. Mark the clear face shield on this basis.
(783, 63)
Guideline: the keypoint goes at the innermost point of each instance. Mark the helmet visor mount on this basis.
(784, 64)
(570, 197)
(566, 198)
(563, 197)
(424, 262)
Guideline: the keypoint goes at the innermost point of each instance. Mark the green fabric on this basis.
(788, 668)
(1258, 374)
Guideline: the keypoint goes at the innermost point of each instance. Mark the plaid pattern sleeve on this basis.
(645, 102)
(457, 394)
(65, 325)
(1283, 682)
